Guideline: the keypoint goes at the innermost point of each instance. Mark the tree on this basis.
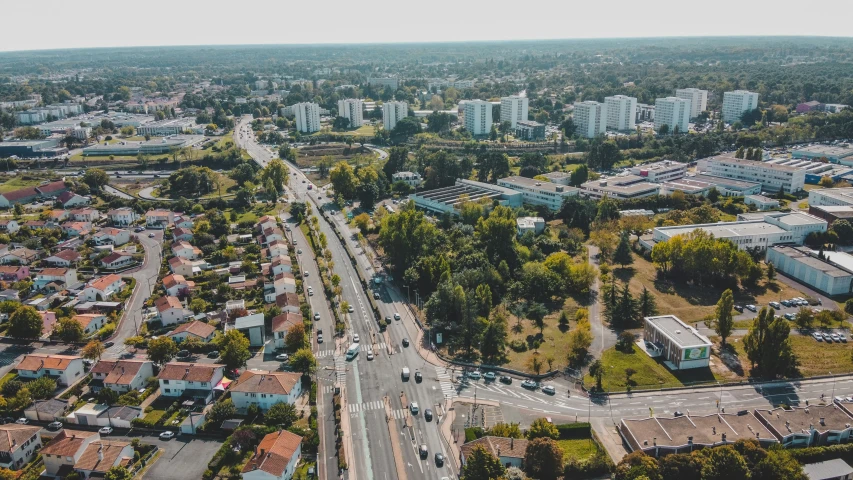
(221, 411)
(542, 428)
(767, 345)
(637, 464)
(281, 415)
(543, 459)
(596, 370)
(95, 178)
(42, 388)
(295, 338)
(578, 343)
(603, 154)
(406, 127)
(21, 400)
(778, 464)
(725, 321)
(25, 322)
(344, 180)
(622, 255)
(118, 473)
(680, 466)
(848, 306)
(303, 361)
(805, 317)
(625, 341)
(844, 230)
(276, 172)
(536, 313)
(93, 350)
(482, 465)
(771, 272)
(162, 350)
(107, 396)
(646, 304)
(579, 176)
(234, 347)
(724, 463)
(506, 430)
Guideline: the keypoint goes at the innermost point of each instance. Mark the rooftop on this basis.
(13, 436)
(828, 150)
(729, 183)
(249, 321)
(189, 371)
(36, 361)
(195, 327)
(705, 430)
(681, 333)
(280, 383)
(531, 183)
(725, 229)
(730, 159)
(822, 418)
(829, 469)
(624, 184)
(286, 320)
(274, 453)
(101, 455)
(119, 372)
(67, 443)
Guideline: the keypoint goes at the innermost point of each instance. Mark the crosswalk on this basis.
(340, 368)
(445, 381)
(328, 353)
(356, 409)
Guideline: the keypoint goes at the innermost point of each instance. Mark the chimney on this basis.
(511, 444)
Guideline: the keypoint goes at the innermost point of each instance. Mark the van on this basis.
(352, 351)
(405, 374)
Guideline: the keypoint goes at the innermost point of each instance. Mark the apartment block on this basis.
(514, 109)
(478, 117)
(621, 112)
(307, 117)
(771, 176)
(698, 99)
(674, 113)
(393, 112)
(353, 110)
(736, 103)
(590, 118)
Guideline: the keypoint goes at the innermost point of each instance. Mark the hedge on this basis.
(820, 454)
(473, 433)
(571, 431)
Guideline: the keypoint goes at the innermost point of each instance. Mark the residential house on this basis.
(200, 330)
(18, 445)
(70, 199)
(184, 249)
(288, 302)
(35, 224)
(97, 415)
(10, 294)
(14, 273)
(277, 248)
(117, 260)
(281, 264)
(184, 221)
(282, 283)
(22, 195)
(76, 229)
(121, 375)
(19, 256)
(100, 456)
(510, 451)
(85, 215)
(122, 216)
(159, 218)
(52, 189)
(181, 266)
(63, 258)
(275, 458)
(266, 222)
(265, 389)
(281, 324)
(48, 320)
(103, 288)
(171, 311)
(252, 326)
(233, 305)
(65, 449)
(47, 410)
(9, 226)
(111, 236)
(66, 369)
(193, 380)
(91, 322)
(272, 234)
(177, 285)
(182, 234)
(62, 277)
(57, 216)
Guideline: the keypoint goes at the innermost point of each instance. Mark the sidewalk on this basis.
(609, 437)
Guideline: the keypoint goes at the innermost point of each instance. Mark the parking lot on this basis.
(780, 308)
(183, 457)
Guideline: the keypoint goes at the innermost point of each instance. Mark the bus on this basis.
(352, 351)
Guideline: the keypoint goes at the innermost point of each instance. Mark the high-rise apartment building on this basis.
(673, 112)
(307, 117)
(353, 110)
(478, 117)
(698, 99)
(514, 109)
(393, 112)
(736, 103)
(621, 112)
(590, 118)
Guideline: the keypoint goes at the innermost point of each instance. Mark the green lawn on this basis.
(816, 358)
(649, 372)
(250, 215)
(18, 183)
(579, 449)
(154, 416)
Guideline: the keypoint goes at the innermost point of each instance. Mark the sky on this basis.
(50, 24)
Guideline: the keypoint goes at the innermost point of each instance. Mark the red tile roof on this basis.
(167, 302)
(87, 318)
(280, 383)
(104, 282)
(274, 453)
(192, 372)
(195, 327)
(100, 455)
(285, 321)
(15, 195)
(52, 187)
(119, 372)
(67, 443)
(113, 257)
(67, 255)
(36, 361)
(12, 436)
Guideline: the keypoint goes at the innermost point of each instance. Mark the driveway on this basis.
(182, 457)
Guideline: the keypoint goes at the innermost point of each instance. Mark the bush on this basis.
(473, 433)
(518, 346)
(312, 395)
(571, 431)
(595, 467)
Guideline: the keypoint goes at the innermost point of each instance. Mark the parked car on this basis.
(506, 379)
(817, 336)
(151, 235)
(835, 337)
(549, 389)
(376, 295)
(183, 354)
(350, 309)
(167, 435)
(786, 303)
(54, 426)
(139, 229)
(752, 308)
(489, 376)
(213, 354)
(106, 430)
(775, 305)
(530, 384)
(739, 308)
(108, 344)
(826, 337)
(842, 337)
(790, 316)
(22, 421)
(282, 357)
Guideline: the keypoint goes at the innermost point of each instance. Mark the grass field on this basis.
(362, 131)
(816, 358)
(579, 449)
(693, 303)
(553, 341)
(649, 373)
(16, 183)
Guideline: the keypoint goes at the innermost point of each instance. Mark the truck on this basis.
(405, 374)
(352, 351)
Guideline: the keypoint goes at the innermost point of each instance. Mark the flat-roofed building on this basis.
(658, 436)
(832, 274)
(659, 172)
(834, 153)
(814, 425)
(530, 224)
(687, 186)
(736, 103)
(353, 110)
(560, 178)
(529, 130)
(728, 187)
(815, 171)
(680, 345)
(162, 128)
(831, 196)
(623, 187)
(772, 177)
(535, 192)
(761, 202)
(674, 113)
(393, 112)
(621, 112)
(514, 109)
(698, 99)
(147, 147)
(447, 199)
(590, 118)
(831, 213)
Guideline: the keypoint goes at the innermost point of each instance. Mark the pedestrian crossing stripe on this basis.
(364, 348)
(399, 414)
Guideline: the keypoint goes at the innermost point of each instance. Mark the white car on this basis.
(369, 355)
(396, 316)
(350, 309)
(414, 408)
(316, 315)
(475, 375)
(282, 357)
(751, 308)
(167, 435)
(106, 430)
(22, 421)
(549, 389)
(355, 338)
(305, 273)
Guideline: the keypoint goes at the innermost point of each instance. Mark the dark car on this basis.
(405, 342)
(739, 308)
(376, 295)
(183, 354)
(428, 415)
(423, 451)
(213, 354)
(439, 460)
(54, 426)
(506, 379)
(419, 377)
(108, 344)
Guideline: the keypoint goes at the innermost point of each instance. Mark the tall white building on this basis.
(478, 117)
(590, 118)
(621, 112)
(393, 112)
(307, 117)
(352, 109)
(737, 102)
(698, 99)
(514, 109)
(673, 112)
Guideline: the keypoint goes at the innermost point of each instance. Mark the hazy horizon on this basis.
(161, 23)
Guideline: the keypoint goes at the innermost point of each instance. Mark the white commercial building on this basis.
(673, 112)
(590, 118)
(478, 117)
(163, 128)
(831, 197)
(530, 224)
(624, 187)
(698, 99)
(680, 345)
(659, 172)
(353, 110)
(534, 192)
(761, 202)
(621, 112)
(393, 112)
(771, 176)
(307, 117)
(832, 274)
(736, 103)
(514, 109)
